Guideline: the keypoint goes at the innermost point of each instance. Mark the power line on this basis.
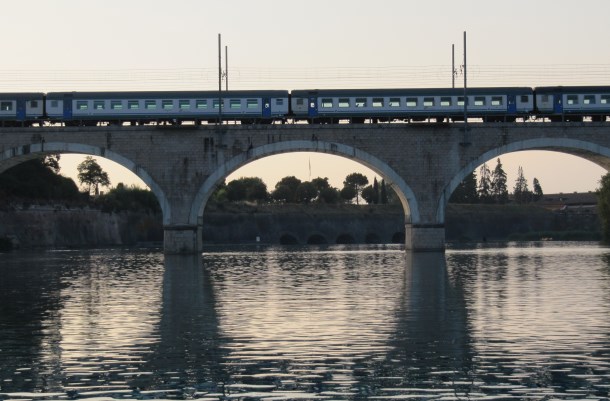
(300, 77)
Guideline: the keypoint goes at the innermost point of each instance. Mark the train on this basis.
(491, 104)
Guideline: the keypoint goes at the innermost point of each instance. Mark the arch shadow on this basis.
(592, 152)
(12, 157)
(404, 192)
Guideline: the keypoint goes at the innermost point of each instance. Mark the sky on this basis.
(279, 44)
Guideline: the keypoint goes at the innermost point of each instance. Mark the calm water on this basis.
(338, 323)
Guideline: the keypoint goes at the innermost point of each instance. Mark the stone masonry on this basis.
(423, 162)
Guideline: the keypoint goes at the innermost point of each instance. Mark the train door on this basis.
(557, 104)
(312, 108)
(20, 115)
(266, 107)
(512, 104)
(67, 107)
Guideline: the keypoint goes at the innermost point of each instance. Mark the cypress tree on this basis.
(499, 192)
(484, 189)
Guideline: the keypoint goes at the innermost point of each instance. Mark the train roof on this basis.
(410, 91)
(573, 89)
(168, 94)
(22, 96)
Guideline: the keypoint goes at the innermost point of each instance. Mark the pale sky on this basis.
(156, 45)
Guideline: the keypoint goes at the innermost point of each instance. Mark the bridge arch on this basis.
(404, 192)
(593, 152)
(17, 155)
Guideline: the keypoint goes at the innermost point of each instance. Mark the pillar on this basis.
(180, 239)
(425, 237)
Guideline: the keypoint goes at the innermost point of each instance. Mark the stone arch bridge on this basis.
(423, 163)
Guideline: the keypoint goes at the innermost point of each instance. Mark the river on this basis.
(492, 321)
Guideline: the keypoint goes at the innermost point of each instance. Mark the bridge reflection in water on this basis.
(340, 322)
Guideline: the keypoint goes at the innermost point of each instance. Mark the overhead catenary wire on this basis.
(245, 77)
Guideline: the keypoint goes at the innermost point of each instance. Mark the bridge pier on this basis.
(181, 239)
(425, 237)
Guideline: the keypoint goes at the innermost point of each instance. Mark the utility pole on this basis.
(453, 66)
(219, 81)
(465, 139)
(227, 67)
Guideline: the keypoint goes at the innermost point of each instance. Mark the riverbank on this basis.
(59, 226)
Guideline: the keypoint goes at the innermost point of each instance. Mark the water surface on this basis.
(512, 321)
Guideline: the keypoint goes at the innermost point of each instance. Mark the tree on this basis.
(484, 189)
(375, 191)
(348, 193)
(370, 195)
(286, 189)
(603, 205)
(383, 193)
(252, 189)
(306, 192)
(92, 176)
(466, 191)
(36, 180)
(521, 191)
(537, 189)
(499, 192)
(329, 195)
(52, 162)
(357, 181)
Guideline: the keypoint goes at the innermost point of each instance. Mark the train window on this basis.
(133, 104)
(167, 104)
(394, 102)
(279, 102)
(525, 99)
(460, 101)
(411, 102)
(428, 101)
(34, 103)
(572, 99)
(235, 104)
(54, 103)
(150, 104)
(184, 104)
(300, 101)
(377, 102)
(253, 103)
(479, 101)
(116, 104)
(360, 102)
(343, 102)
(215, 103)
(445, 101)
(82, 105)
(6, 106)
(589, 99)
(327, 103)
(496, 100)
(98, 105)
(604, 99)
(545, 99)
(201, 104)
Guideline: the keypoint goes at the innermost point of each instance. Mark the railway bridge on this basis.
(422, 162)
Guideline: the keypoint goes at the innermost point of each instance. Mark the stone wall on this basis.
(60, 227)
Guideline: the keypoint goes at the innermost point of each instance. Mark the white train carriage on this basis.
(573, 103)
(94, 107)
(21, 108)
(491, 104)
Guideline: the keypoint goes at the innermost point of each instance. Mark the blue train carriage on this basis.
(92, 108)
(573, 103)
(360, 105)
(21, 109)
